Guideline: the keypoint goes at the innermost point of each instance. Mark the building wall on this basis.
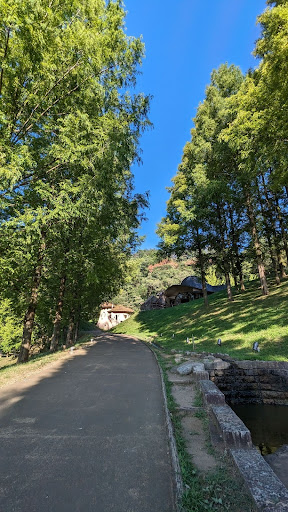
(109, 319)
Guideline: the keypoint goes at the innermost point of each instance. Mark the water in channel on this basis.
(268, 425)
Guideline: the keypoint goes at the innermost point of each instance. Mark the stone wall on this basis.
(253, 382)
(267, 491)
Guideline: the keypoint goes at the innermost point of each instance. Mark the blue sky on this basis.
(185, 40)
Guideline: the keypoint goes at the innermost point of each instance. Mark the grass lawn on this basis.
(250, 317)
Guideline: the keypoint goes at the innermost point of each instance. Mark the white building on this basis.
(112, 315)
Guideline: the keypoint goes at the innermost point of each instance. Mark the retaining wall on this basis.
(262, 382)
(268, 492)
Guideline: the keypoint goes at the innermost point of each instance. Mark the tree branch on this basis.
(45, 96)
(49, 7)
(4, 57)
(55, 102)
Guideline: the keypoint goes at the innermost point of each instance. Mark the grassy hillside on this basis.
(251, 317)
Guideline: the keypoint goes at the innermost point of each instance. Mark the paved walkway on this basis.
(87, 434)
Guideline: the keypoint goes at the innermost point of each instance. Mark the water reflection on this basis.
(268, 425)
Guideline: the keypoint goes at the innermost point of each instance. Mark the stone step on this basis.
(189, 409)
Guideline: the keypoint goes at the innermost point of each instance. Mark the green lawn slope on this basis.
(250, 317)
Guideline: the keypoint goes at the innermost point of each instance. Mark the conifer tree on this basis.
(69, 131)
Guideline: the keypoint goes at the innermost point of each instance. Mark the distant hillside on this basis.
(147, 276)
(251, 317)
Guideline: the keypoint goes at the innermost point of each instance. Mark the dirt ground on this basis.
(194, 432)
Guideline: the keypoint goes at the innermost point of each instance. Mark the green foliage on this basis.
(204, 211)
(10, 328)
(148, 274)
(229, 199)
(70, 126)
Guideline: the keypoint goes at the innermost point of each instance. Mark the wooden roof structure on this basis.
(195, 282)
(116, 308)
(175, 289)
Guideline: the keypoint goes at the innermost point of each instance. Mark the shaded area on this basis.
(87, 434)
(195, 282)
(268, 425)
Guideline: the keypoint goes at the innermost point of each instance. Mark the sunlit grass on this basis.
(251, 317)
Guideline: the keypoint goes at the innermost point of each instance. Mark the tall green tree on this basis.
(69, 127)
(202, 203)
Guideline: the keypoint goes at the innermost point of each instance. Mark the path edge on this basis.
(179, 488)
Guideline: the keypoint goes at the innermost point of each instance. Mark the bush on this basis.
(10, 328)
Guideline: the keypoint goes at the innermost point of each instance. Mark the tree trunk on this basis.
(31, 310)
(273, 253)
(274, 259)
(236, 267)
(239, 269)
(224, 254)
(71, 329)
(202, 270)
(281, 267)
(76, 331)
(282, 228)
(58, 316)
(77, 322)
(228, 285)
(242, 285)
(260, 264)
(270, 229)
(235, 277)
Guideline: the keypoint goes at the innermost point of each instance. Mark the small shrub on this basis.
(10, 328)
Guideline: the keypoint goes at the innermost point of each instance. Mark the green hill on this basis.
(251, 317)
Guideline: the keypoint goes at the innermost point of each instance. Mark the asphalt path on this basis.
(87, 433)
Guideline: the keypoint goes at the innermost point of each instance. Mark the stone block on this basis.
(277, 401)
(200, 375)
(271, 395)
(219, 373)
(253, 386)
(217, 364)
(249, 372)
(267, 387)
(208, 359)
(245, 394)
(189, 367)
(268, 492)
(233, 431)
(211, 394)
(245, 365)
(248, 378)
(251, 381)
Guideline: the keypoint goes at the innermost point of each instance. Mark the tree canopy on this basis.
(229, 198)
(70, 125)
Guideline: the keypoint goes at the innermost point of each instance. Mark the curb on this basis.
(172, 443)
